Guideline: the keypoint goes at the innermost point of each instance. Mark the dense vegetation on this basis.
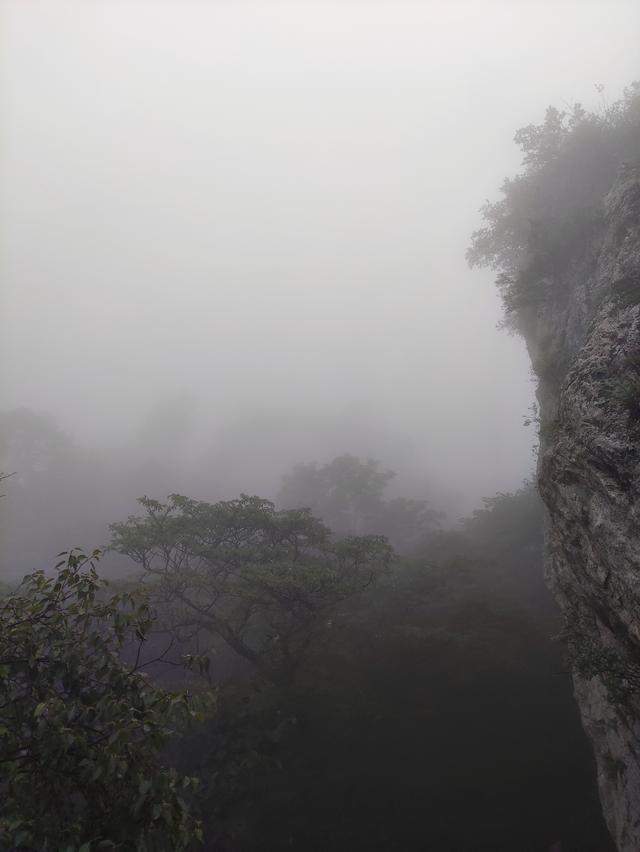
(81, 731)
(435, 715)
(359, 701)
(549, 211)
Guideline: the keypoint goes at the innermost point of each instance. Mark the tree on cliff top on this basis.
(548, 210)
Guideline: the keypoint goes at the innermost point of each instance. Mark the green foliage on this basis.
(261, 580)
(379, 720)
(81, 733)
(549, 210)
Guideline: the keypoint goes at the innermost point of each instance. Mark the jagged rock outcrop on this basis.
(584, 340)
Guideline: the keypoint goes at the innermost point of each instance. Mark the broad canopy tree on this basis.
(262, 580)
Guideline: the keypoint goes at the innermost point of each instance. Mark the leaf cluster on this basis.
(81, 733)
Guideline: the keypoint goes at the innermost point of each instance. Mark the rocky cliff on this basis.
(583, 336)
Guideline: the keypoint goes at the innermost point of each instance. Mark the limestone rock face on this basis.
(584, 340)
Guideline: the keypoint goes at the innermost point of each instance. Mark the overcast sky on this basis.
(264, 208)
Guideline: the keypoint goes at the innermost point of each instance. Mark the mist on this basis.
(264, 396)
(259, 212)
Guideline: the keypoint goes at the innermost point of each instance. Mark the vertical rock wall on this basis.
(584, 342)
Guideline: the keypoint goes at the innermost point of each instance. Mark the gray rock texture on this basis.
(584, 340)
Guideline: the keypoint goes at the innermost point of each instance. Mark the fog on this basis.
(233, 254)
(233, 234)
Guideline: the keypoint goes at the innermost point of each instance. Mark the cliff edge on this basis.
(584, 342)
(565, 241)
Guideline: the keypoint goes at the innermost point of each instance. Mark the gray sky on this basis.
(266, 206)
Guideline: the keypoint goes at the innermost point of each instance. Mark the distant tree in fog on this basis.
(51, 498)
(32, 444)
(348, 494)
(345, 493)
